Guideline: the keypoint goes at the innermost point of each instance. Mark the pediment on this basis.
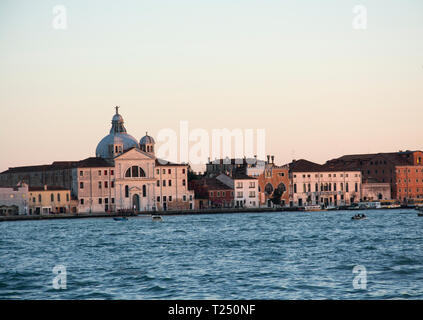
(134, 154)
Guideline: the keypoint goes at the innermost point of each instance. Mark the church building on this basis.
(124, 175)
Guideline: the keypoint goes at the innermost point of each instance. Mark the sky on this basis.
(296, 68)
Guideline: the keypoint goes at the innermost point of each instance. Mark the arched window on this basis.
(281, 188)
(52, 197)
(134, 172)
(268, 188)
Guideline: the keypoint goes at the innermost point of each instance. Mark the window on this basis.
(239, 185)
(164, 171)
(144, 191)
(105, 172)
(99, 172)
(158, 171)
(99, 184)
(58, 197)
(134, 172)
(356, 187)
(164, 183)
(183, 182)
(158, 183)
(346, 187)
(52, 197)
(169, 171)
(106, 200)
(170, 183)
(268, 189)
(112, 172)
(164, 198)
(106, 184)
(170, 198)
(183, 171)
(81, 173)
(82, 201)
(252, 194)
(184, 198)
(112, 184)
(39, 198)
(67, 196)
(81, 185)
(295, 188)
(126, 192)
(211, 194)
(113, 200)
(158, 199)
(100, 200)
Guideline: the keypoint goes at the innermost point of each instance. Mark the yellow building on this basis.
(49, 199)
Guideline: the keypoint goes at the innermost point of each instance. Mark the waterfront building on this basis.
(124, 175)
(249, 166)
(375, 191)
(49, 199)
(245, 189)
(274, 184)
(409, 184)
(212, 193)
(392, 168)
(327, 185)
(14, 200)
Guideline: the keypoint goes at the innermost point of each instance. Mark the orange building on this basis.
(272, 180)
(410, 183)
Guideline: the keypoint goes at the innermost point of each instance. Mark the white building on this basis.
(315, 184)
(14, 200)
(246, 194)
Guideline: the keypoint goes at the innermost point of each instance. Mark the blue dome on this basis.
(117, 138)
(125, 140)
(147, 140)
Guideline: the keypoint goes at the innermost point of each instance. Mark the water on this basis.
(287, 255)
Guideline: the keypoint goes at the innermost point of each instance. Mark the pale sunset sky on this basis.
(296, 68)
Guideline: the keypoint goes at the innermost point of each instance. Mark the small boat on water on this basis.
(420, 214)
(359, 217)
(156, 218)
(120, 219)
(312, 208)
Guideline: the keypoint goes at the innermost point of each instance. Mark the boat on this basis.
(120, 219)
(359, 217)
(420, 214)
(419, 208)
(312, 208)
(156, 218)
(330, 208)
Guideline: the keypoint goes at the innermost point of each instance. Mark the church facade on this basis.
(124, 175)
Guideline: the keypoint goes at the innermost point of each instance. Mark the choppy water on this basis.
(287, 255)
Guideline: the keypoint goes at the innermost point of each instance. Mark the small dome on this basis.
(117, 117)
(147, 139)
